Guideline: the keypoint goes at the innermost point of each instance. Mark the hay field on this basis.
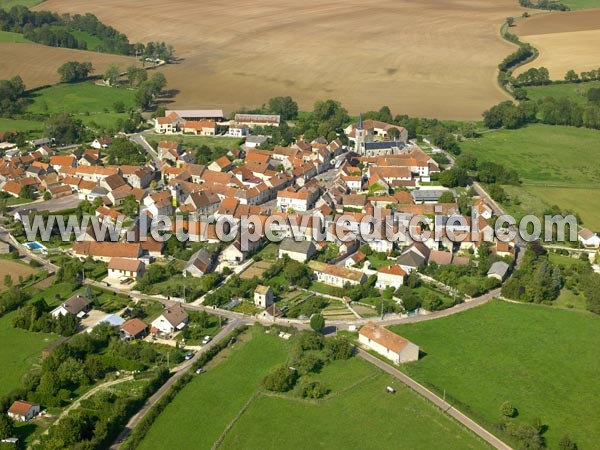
(568, 40)
(435, 58)
(15, 270)
(37, 64)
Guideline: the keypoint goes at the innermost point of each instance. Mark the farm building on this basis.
(23, 411)
(388, 344)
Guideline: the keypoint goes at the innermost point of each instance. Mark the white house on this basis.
(588, 238)
(390, 276)
(299, 251)
(388, 344)
(124, 267)
(77, 305)
(263, 296)
(336, 275)
(23, 411)
(171, 320)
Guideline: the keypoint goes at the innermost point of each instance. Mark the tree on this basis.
(73, 71)
(64, 129)
(339, 348)
(446, 197)
(454, 177)
(285, 107)
(280, 379)
(8, 282)
(571, 76)
(130, 206)
(26, 193)
(317, 322)
(510, 21)
(47, 195)
(112, 74)
(508, 410)
(7, 427)
(593, 95)
(136, 76)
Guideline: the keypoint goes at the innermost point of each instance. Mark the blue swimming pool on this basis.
(34, 246)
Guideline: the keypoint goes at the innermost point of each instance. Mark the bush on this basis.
(312, 389)
(508, 410)
(280, 379)
(317, 323)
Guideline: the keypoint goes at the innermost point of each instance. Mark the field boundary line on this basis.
(237, 417)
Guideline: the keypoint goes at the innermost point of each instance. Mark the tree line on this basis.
(56, 30)
(552, 5)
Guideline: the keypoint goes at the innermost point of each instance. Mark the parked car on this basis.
(200, 370)
(189, 356)
(206, 340)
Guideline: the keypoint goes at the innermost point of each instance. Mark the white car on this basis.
(206, 340)
(200, 370)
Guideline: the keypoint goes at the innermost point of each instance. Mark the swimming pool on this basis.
(34, 246)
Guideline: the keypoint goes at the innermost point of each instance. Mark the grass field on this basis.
(544, 154)
(575, 91)
(18, 351)
(7, 36)
(581, 4)
(7, 4)
(225, 142)
(201, 412)
(242, 55)
(566, 40)
(15, 269)
(544, 360)
(81, 99)
(554, 164)
(92, 41)
(20, 125)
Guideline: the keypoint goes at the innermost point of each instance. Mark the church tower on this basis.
(359, 137)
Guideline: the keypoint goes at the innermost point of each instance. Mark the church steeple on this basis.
(360, 123)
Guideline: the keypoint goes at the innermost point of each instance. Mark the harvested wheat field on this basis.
(15, 270)
(37, 64)
(435, 58)
(566, 40)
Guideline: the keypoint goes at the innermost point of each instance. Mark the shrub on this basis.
(280, 379)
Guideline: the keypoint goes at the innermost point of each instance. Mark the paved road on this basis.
(179, 371)
(139, 138)
(445, 406)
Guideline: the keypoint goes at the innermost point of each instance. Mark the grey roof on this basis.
(291, 245)
(411, 259)
(383, 145)
(422, 195)
(76, 304)
(201, 260)
(257, 139)
(499, 268)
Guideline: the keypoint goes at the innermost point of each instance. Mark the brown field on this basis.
(435, 58)
(569, 40)
(15, 270)
(37, 64)
(255, 270)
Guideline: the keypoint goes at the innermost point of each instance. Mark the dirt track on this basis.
(421, 57)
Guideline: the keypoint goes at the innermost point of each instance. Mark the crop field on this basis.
(581, 4)
(7, 4)
(15, 270)
(18, 351)
(229, 394)
(567, 40)
(541, 359)
(37, 64)
(433, 58)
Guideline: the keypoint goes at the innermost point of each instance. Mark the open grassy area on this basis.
(19, 349)
(199, 415)
(21, 125)
(544, 154)
(575, 91)
(79, 98)
(7, 36)
(7, 4)
(581, 4)
(543, 360)
(195, 141)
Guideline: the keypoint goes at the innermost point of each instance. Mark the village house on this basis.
(171, 320)
(123, 267)
(390, 276)
(263, 296)
(257, 120)
(499, 271)
(105, 251)
(588, 238)
(395, 348)
(23, 411)
(336, 275)
(199, 264)
(77, 306)
(200, 128)
(133, 329)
